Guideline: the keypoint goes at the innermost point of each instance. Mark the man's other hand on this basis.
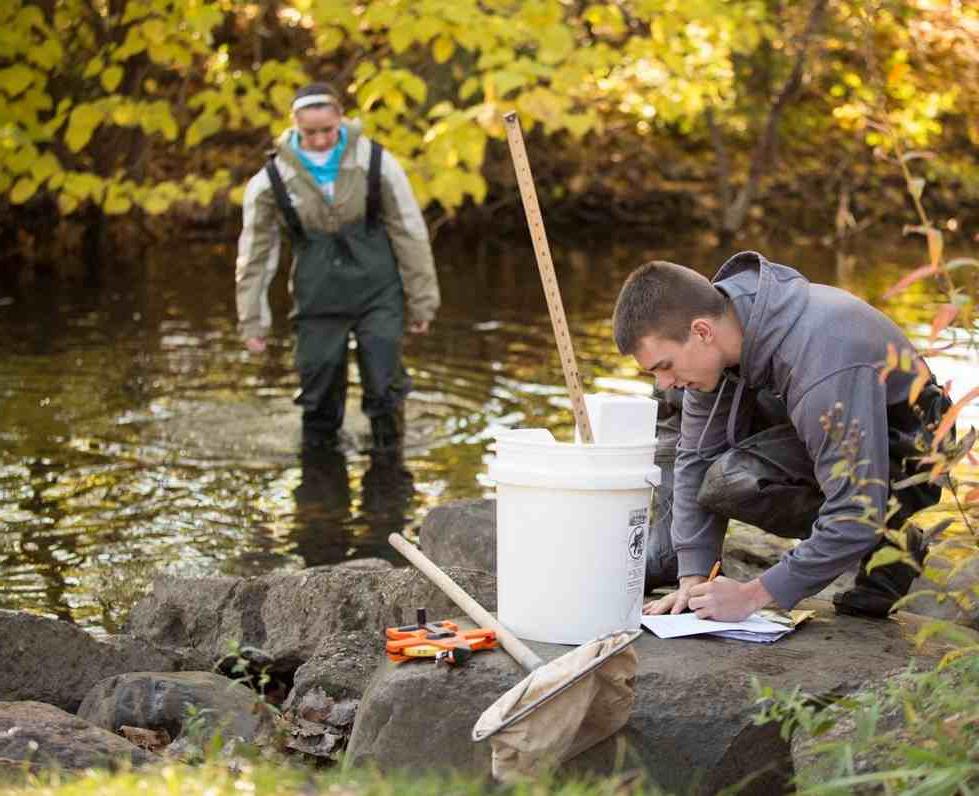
(727, 600)
(256, 345)
(418, 327)
(675, 602)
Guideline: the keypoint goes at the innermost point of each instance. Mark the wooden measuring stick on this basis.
(552, 292)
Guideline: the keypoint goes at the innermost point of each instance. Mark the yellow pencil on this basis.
(714, 571)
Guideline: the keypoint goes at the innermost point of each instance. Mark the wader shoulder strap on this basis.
(283, 201)
(374, 185)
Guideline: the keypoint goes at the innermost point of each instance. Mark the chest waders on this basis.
(767, 480)
(346, 283)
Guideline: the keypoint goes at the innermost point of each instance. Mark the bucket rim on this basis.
(591, 447)
(618, 480)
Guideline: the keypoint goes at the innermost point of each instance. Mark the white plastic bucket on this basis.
(571, 527)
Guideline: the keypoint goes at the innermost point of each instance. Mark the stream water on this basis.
(134, 434)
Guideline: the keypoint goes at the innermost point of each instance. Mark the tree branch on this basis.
(734, 213)
(723, 160)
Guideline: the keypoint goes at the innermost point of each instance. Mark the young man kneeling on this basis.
(781, 381)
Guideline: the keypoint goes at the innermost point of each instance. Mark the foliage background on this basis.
(707, 113)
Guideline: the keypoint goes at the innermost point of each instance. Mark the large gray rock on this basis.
(691, 728)
(953, 595)
(48, 660)
(291, 615)
(43, 736)
(461, 534)
(415, 715)
(341, 666)
(169, 701)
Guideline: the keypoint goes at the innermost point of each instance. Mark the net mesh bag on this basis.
(562, 708)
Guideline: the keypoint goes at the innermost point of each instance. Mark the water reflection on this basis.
(325, 502)
(137, 434)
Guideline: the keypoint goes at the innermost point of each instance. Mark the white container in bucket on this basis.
(620, 418)
(571, 525)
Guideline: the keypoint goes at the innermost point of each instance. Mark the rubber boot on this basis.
(317, 441)
(387, 431)
(874, 593)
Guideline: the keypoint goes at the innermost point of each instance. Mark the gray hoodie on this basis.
(815, 346)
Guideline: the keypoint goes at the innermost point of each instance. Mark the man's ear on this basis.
(702, 329)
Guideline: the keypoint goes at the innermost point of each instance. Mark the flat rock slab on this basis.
(42, 736)
(691, 728)
(48, 660)
(161, 700)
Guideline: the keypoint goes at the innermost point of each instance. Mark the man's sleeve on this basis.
(258, 258)
(698, 535)
(853, 511)
(409, 238)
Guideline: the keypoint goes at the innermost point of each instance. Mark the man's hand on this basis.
(256, 345)
(675, 602)
(418, 327)
(728, 600)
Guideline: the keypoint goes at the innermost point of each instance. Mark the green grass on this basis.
(916, 733)
(256, 778)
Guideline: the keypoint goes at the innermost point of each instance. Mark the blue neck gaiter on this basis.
(325, 173)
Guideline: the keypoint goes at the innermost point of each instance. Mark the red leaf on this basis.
(945, 315)
(909, 279)
(973, 496)
(949, 420)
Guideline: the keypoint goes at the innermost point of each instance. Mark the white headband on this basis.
(313, 99)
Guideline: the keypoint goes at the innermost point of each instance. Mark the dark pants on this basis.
(322, 361)
(347, 284)
(767, 481)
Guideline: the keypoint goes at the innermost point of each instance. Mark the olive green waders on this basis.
(346, 283)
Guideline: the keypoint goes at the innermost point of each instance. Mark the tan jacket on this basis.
(262, 227)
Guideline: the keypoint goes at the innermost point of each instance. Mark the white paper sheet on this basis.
(754, 628)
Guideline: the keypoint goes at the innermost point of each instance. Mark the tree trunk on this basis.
(94, 243)
(735, 210)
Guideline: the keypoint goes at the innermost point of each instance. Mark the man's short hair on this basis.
(662, 298)
(316, 95)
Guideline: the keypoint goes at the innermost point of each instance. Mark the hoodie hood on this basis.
(768, 299)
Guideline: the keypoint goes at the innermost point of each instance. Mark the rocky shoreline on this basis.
(295, 660)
